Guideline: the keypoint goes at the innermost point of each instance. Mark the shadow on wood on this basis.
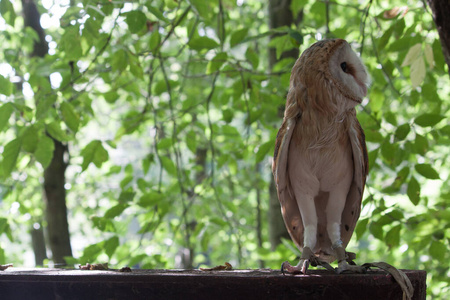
(16, 283)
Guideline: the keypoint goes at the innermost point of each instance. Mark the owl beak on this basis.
(363, 88)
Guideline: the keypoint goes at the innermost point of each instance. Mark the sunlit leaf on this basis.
(7, 12)
(115, 210)
(429, 57)
(55, 131)
(252, 57)
(70, 116)
(136, 21)
(427, 171)
(6, 111)
(94, 153)
(402, 131)
(168, 165)
(417, 72)
(413, 190)
(10, 155)
(111, 245)
(44, 151)
(412, 55)
(263, 150)
(215, 64)
(392, 237)
(30, 139)
(6, 86)
(202, 42)
(361, 227)
(438, 250)
(157, 13)
(155, 40)
(238, 36)
(426, 119)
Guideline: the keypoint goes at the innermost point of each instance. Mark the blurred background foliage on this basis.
(169, 110)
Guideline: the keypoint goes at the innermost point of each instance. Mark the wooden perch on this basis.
(16, 283)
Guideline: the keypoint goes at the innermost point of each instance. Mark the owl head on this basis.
(329, 77)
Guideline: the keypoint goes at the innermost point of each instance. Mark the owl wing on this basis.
(352, 208)
(289, 207)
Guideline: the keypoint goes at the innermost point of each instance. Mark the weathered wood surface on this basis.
(16, 283)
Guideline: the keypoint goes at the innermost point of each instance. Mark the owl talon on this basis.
(301, 268)
(344, 267)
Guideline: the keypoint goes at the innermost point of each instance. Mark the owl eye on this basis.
(344, 67)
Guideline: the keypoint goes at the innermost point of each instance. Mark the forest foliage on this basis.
(170, 111)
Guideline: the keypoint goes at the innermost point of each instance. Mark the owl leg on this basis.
(334, 212)
(309, 217)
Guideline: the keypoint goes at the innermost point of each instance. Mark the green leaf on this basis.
(238, 36)
(10, 155)
(263, 150)
(55, 131)
(426, 120)
(150, 199)
(6, 86)
(412, 55)
(216, 62)
(95, 153)
(429, 57)
(202, 42)
(201, 7)
(70, 43)
(6, 111)
(377, 230)
(413, 191)
(438, 250)
(420, 145)
(168, 165)
(427, 171)
(43, 105)
(392, 238)
(44, 151)
(402, 131)
(136, 21)
(70, 116)
(418, 72)
(91, 252)
(155, 40)
(30, 139)
(115, 210)
(119, 61)
(252, 57)
(111, 245)
(382, 42)
(7, 12)
(157, 13)
(297, 5)
(361, 227)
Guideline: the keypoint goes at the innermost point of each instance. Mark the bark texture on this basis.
(56, 210)
(54, 175)
(441, 17)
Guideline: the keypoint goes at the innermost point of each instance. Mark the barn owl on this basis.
(320, 162)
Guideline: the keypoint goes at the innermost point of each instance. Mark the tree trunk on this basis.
(54, 175)
(440, 10)
(56, 211)
(38, 241)
(280, 15)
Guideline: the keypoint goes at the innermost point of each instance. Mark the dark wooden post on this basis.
(196, 284)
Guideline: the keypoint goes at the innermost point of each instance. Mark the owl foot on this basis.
(345, 262)
(345, 267)
(302, 266)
